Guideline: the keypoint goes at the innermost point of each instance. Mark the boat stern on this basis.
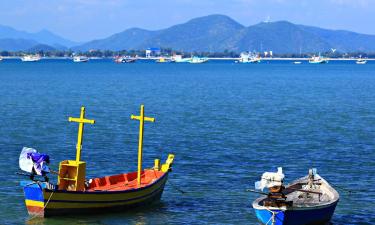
(34, 198)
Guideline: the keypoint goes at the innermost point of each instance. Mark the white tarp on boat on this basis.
(270, 179)
(26, 163)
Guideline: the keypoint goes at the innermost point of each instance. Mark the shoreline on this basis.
(209, 58)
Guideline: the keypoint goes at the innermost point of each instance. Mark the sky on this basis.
(84, 20)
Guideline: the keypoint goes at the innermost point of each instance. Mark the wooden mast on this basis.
(141, 119)
(81, 120)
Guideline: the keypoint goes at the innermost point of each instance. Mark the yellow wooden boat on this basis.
(74, 194)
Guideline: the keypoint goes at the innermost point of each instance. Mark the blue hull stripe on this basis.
(297, 217)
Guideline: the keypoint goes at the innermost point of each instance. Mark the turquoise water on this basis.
(227, 124)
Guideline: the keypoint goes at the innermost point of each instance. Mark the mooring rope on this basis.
(176, 188)
(343, 189)
(272, 217)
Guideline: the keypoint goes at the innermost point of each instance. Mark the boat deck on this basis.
(302, 195)
(303, 199)
(122, 182)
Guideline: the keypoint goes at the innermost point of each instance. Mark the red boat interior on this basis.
(124, 181)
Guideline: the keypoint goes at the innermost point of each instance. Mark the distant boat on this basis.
(318, 60)
(125, 59)
(196, 59)
(130, 60)
(163, 60)
(80, 59)
(179, 59)
(31, 58)
(118, 59)
(308, 200)
(1, 58)
(297, 62)
(361, 61)
(246, 57)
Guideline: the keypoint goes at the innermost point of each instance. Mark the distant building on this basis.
(152, 52)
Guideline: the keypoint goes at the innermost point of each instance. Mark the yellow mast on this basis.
(141, 119)
(81, 120)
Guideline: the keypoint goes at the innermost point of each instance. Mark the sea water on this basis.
(226, 123)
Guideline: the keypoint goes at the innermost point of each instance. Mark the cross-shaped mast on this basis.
(141, 119)
(81, 120)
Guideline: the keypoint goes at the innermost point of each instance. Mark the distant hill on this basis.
(41, 47)
(200, 34)
(129, 39)
(12, 44)
(344, 41)
(205, 33)
(213, 33)
(12, 39)
(217, 33)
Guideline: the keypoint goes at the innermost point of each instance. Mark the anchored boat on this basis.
(361, 61)
(80, 59)
(247, 57)
(196, 60)
(308, 200)
(76, 194)
(163, 59)
(180, 59)
(318, 60)
(124, 59)
(31, 58)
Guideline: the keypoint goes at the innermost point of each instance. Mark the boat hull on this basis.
(43, 202)
(250, 61)
(318, 62)
(30, 60)
(297, 216)
(78, 61)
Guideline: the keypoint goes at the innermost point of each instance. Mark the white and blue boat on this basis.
(306, 201)
(31, 58)
(80, 59)
(196, 60)
(247, 57)
(180, 59)
(361, 61)
(318, 60)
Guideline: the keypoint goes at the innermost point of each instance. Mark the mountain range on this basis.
(213, 33)
(16, 40)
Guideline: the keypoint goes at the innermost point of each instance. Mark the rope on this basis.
(343, 189)
(272, 217)
(176, 188)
